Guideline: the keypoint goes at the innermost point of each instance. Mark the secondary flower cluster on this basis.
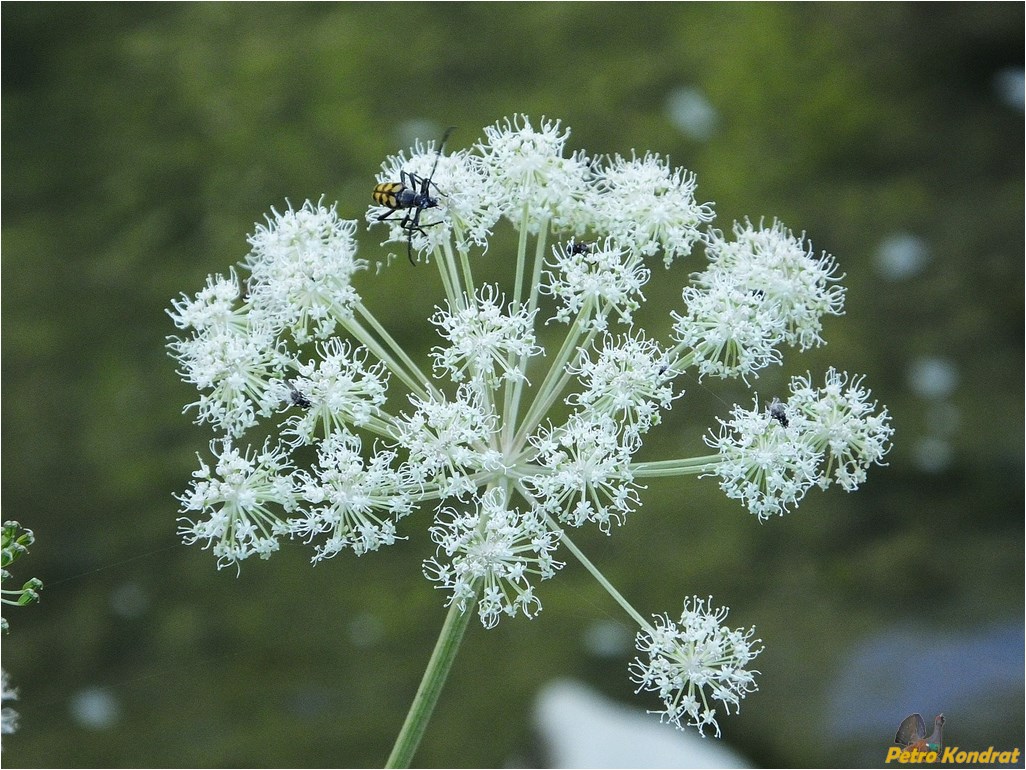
(505, 444)
(763, 288)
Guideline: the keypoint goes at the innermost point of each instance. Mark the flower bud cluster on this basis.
(16, 542)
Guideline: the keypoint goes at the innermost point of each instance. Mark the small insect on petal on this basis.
(296, 397)
(778, 412)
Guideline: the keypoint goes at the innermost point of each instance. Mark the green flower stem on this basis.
(557, 377)
(521, 256)
(468, 276)
(554, 525)
(459, 294)
(450, 278)
(431, 684)
(681, 362)
(382, 426)
(411, 375)
(683, 467)
(511, 404)
(539, 263)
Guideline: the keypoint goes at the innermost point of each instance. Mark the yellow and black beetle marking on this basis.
(411, 194)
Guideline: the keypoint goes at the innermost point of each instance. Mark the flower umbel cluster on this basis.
(329, 432)
(695, 661)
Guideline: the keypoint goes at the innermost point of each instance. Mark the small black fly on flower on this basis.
(580, 247)
(296, 397)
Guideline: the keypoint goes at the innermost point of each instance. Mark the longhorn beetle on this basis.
(411, 194)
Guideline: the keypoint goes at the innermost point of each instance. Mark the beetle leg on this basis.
(409, 247)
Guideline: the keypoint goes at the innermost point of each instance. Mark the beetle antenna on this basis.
(438, 153)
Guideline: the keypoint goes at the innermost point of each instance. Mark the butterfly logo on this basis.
(912, 734)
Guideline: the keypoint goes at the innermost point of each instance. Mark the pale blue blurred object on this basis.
(1010, 86)
(95, 708)
(691, 113)
(933, 377)
(901, 255)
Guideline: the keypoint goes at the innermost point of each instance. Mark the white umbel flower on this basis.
(500, 468)
(843, 425)
(356, 504)
(462, 209)
(647, 206)
(485, 339)
(727, 330)
(770, 457)
(238, 367)
(585, 471)
(240, 497)
(782, 272)
(629, 378)
(695, 663)
(449, 441)
(340, 387)
(595, 279)
(493, 551)
(762, 463)
(531, 182)
(215, 306)
(760, 291)
(302, 264)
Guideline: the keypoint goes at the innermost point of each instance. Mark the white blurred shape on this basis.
(932, 454)
(129, 600)
(409, 131)
(365, 629)
(943, 418)
(608, 639)
(581, 728)
(933, 377)
(901, 256)
(691, 113)
(1010, 86)
(95, 708)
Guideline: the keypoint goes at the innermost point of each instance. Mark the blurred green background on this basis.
(140, 144)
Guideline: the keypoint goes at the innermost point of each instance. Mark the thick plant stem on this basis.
(431, 685)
